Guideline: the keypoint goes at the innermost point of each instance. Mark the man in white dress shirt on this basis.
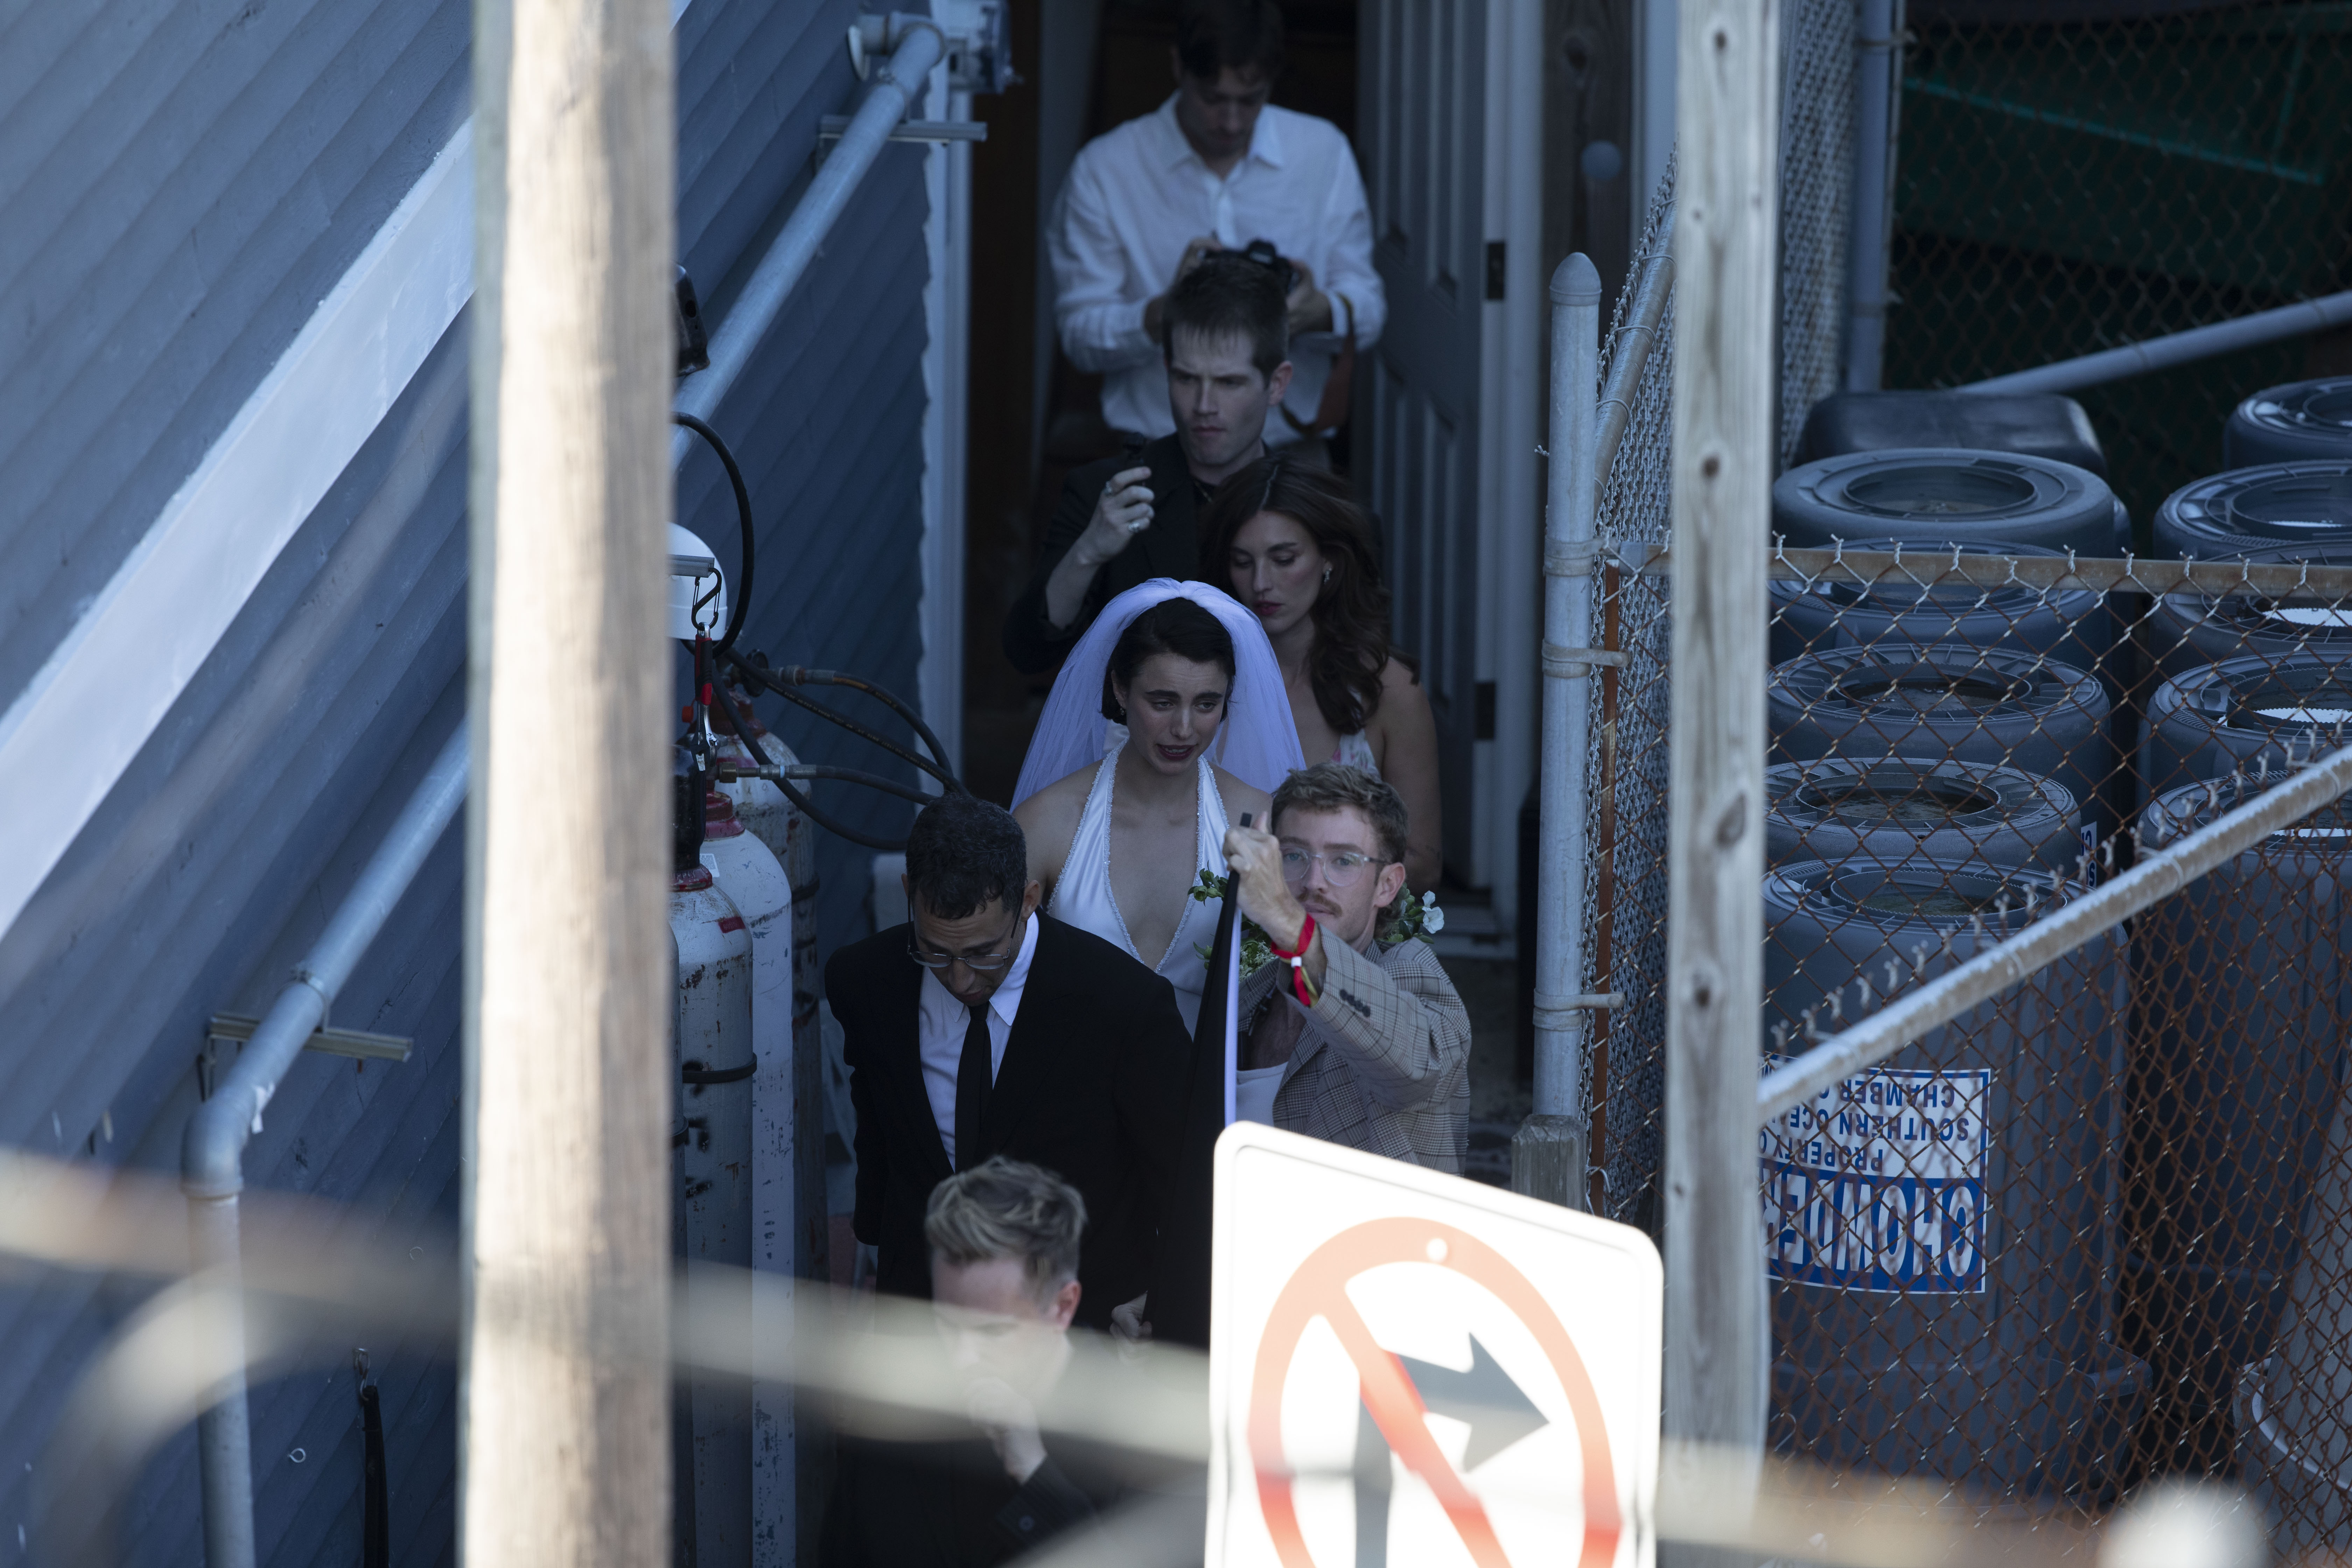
(1215, 168)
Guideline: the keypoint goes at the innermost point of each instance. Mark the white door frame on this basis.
(947, 322)
(1511, 403)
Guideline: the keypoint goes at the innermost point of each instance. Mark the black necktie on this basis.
(973, 1077)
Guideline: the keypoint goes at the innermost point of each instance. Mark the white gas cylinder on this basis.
(749, 873)
(712, 1040)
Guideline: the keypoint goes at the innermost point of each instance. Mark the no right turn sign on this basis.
(1415, 1368)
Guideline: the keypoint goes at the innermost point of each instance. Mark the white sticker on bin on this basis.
(1879, 1184)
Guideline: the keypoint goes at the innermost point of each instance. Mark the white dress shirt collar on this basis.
(1265, 141)
(1004, 1001)
(942, 1022)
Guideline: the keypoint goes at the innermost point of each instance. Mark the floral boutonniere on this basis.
(1411, 918)
(1422, 919)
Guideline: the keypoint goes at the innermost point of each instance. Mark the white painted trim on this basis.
(140, 642)
(145, 635)
(1510, 400)
(947, 314)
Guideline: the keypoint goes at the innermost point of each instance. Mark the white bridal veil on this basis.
(1257, 743)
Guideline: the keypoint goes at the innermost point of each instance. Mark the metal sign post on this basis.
(1726, 247)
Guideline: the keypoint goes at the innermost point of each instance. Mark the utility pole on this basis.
(1726, 252)
(565, 1387)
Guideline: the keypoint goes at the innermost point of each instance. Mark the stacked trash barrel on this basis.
(1941, 1227)
(2242, 992)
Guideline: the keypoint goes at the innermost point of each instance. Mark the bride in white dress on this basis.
(1166, 724)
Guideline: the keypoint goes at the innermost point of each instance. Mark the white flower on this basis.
(1433, 918)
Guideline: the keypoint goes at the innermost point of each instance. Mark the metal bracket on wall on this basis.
(830, 128)
(829, 131)
(236, 1027)
(977, 43)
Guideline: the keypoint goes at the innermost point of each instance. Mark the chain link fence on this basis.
(2049, 1251)
(2075, 177)
(2098, 1229)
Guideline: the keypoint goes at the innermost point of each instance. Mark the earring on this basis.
(1327, 573)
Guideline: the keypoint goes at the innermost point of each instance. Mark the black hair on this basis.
(964, 854)
(1177, 627)
(1211, 35)
(1229, 295)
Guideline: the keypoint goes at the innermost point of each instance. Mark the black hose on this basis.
(777, 682)
(871, 780)
(375, 1510)
(798, 675)
(743, 515)
(806, 806)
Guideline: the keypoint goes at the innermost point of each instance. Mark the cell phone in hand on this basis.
(1130, 456)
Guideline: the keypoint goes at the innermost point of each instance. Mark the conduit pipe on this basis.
(1630, 355)
(1549, 1155)
(1877, 92)
(899, 84)
(2056, 935)
(211, 1153)
(2327, 312)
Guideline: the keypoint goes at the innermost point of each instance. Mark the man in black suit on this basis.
(1224, 335)
(1005, 1245)
(981, 1028)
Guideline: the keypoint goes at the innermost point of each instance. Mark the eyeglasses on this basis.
(978, 962)
(1344, 870)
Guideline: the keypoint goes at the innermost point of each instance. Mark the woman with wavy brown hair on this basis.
(1290, 541)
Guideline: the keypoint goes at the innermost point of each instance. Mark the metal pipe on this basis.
(1877, 91)
(1549, 1153)
(2071, 926)
(2329, 310)
(212, 1151)
(1631, 357)
(899, 83)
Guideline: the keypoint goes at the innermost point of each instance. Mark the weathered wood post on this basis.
(565, 1425)
(1726, 250)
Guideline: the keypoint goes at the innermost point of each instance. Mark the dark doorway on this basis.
(1022, 446)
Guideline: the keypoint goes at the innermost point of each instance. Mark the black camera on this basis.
(1263, 252)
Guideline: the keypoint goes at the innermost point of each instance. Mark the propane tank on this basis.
(712, 1044)
(748, 873)
(766, 815)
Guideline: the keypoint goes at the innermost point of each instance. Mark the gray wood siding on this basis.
(181, 184)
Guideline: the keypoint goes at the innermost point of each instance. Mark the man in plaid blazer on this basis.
(1371, 1038)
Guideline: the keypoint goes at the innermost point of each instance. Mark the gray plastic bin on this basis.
(2253, 716)
(2223, 516)
(1934, 494)
(1944, 702)
(1941, 1230)
(2288, 423)
(1892, 809)
(2240, 1001)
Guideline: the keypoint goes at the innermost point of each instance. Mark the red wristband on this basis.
(1297, 958)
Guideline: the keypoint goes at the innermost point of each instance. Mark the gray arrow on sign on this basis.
(1498, 1409)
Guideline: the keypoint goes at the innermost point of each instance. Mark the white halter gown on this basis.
(1083, 896)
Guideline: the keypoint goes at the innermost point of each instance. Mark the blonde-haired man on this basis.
(1004, 1239)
